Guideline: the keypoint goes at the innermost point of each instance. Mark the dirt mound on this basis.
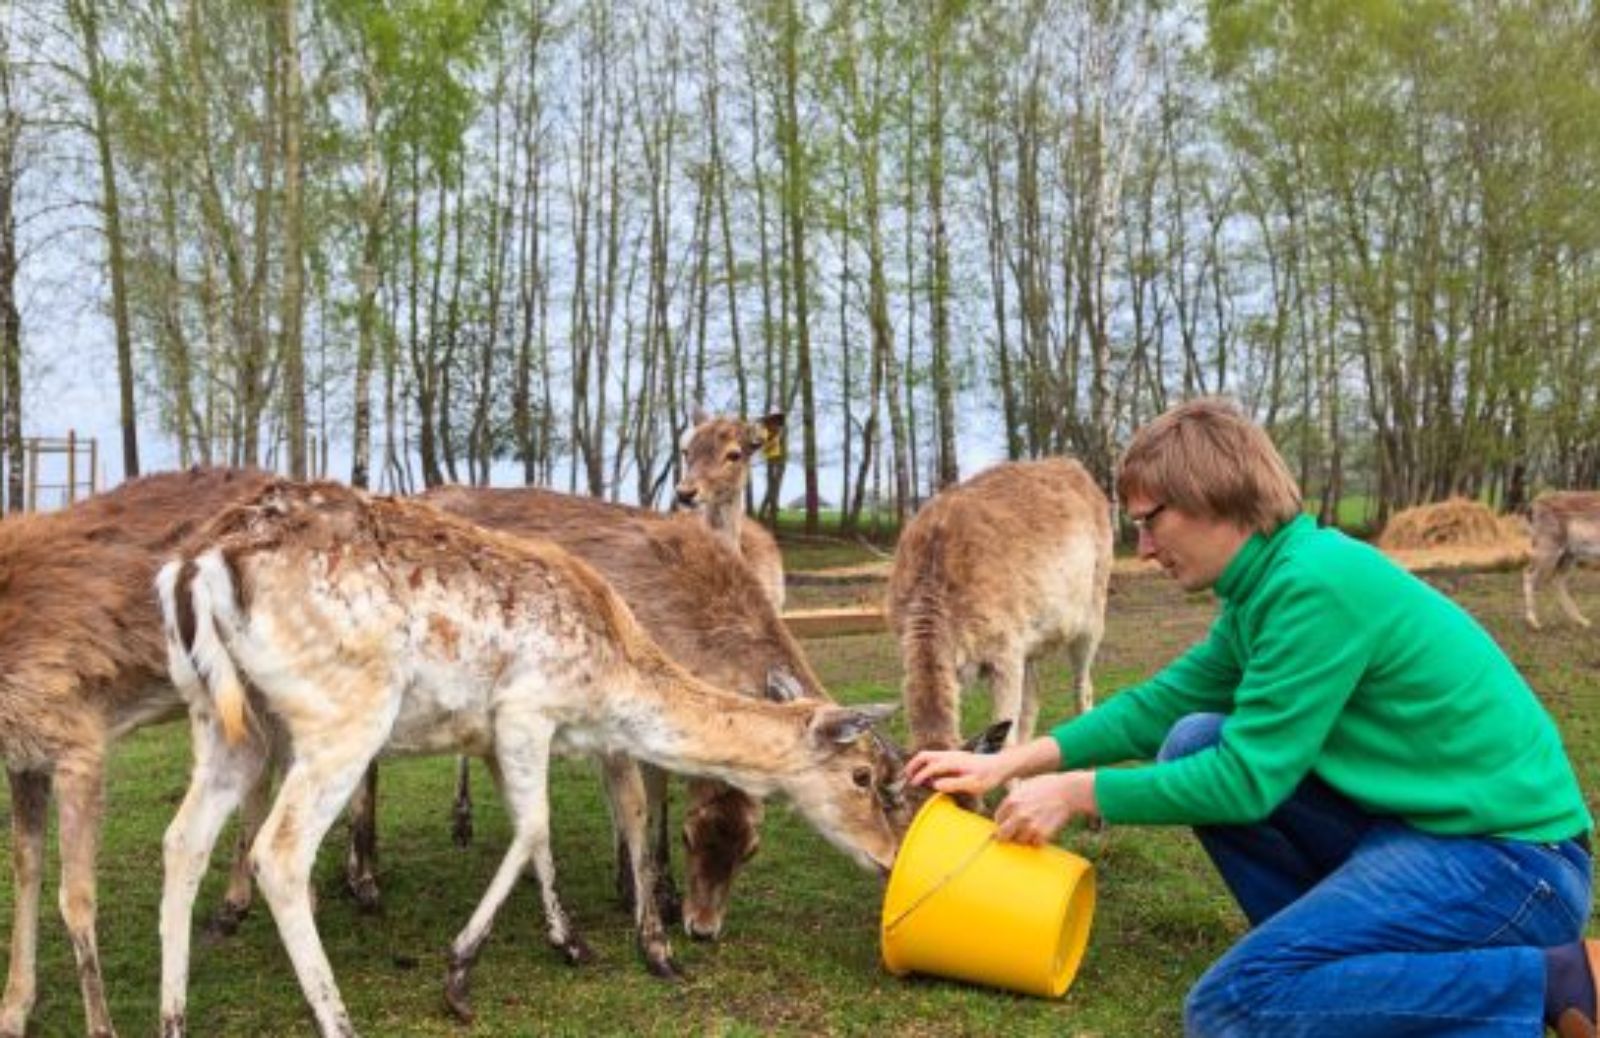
(1456, 523)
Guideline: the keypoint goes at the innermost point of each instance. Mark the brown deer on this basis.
(82, 662)
(363, 624)
(717, 456)
(709, 613)
(1566, 528)
(989, 575)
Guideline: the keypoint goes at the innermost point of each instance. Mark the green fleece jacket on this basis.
(1329, 659)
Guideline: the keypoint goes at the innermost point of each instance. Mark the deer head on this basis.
(717, 455)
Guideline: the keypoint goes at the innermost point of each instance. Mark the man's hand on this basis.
(1037, 808)
(956, 771)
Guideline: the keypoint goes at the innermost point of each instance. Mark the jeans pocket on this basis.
(1556, 903)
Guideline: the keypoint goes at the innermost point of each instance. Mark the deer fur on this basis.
(363, 624)
(1566, 528)
(989, 575)
(717, 455)
(709, 613)
(82, 662)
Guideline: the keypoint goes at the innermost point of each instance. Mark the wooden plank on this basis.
(831, 623)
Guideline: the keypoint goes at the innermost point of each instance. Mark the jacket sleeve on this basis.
(1307, 653)
(1132, 724)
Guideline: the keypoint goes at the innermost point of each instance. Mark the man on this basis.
(1382, 793)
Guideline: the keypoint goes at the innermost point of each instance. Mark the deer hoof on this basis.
(173, 1026)
(461, 831)
(456, 999)
(576, 951)
(659, 963)
(456, 982)
(225, 921)
(365, 892)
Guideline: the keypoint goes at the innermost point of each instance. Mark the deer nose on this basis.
(687, 494)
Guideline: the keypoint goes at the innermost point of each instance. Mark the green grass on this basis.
(799, 954)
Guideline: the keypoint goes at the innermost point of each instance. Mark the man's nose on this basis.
(1147, 543)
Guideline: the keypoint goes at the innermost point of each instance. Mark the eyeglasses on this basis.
(1146, 523)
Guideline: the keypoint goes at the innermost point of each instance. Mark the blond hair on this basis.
(1205, 458)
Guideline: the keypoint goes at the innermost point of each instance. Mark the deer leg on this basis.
(1081, 652)
(80, 803)
(1028, 708)
(223, 775)
(625, 791)
(1536, 573)
(461, 813)
(668, 902)
(361, 859)
(1564, 597)
(523, 752)
(30, 805)
(1006, 680)
(236, 900)
(317, 786)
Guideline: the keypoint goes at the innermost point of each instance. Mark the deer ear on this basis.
(991, 740)
(773, 423)
(842, 725)
(699, 417)
(782, 686)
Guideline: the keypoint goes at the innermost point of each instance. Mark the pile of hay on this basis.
(1456, 523)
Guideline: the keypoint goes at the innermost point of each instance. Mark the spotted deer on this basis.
(989, 575)
(709, 613)
(370, 624)
(1566, 529)
(717, 455)
(82, 663)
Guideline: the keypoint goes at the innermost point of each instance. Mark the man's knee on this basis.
(1190, 735)
(1222, 1004)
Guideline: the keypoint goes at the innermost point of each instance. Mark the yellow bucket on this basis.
(966, 905)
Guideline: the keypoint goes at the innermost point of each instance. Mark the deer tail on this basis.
(195, 595)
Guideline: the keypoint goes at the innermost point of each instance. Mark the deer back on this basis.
(1018, 546)
(81, 648)
(689, 591)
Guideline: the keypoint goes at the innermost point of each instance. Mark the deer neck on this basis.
(682, 724)
(725, 519)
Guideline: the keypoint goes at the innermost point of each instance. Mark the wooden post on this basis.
(94, 466)
(33, 474)
(72, 465)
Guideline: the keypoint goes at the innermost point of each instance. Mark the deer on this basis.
(83, 663)
(694, 598)
(364, 625)
(717, 454)
(987, 576)
(1566, 528)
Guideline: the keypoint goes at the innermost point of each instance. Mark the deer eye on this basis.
(735, 455)
(862, 777)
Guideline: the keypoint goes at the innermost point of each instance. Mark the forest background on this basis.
(400, 242)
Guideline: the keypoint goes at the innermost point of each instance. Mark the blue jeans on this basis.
(1364, 925)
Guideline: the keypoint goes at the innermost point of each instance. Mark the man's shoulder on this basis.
(1329, 559)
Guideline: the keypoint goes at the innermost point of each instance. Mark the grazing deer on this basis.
(709, 613)
(82, 662)
(363, 624)
(1566, 528)
(717, 456)
(989, 575)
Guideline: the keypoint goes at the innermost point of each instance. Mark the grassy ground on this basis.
(799, 954)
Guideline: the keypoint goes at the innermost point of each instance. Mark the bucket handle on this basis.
(944, 881)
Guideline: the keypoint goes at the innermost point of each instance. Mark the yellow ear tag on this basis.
(772, 450)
